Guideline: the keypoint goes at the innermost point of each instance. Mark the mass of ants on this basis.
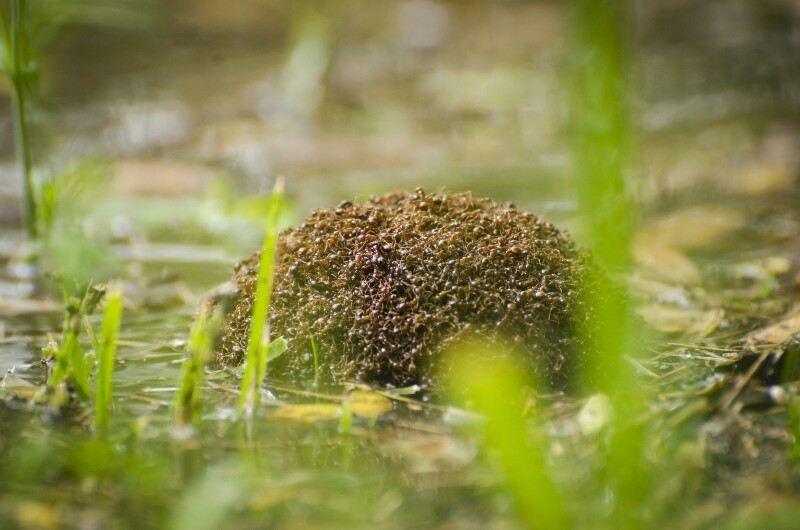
(384, 287)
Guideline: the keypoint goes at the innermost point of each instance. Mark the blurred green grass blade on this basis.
(494, 385)
(602, 139)
(112, 315)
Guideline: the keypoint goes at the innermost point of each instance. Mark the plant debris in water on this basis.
(384, 287)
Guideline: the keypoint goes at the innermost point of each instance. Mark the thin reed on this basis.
(106, 353)
(19, 68)
(258, 340)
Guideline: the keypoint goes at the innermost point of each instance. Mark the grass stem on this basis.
(316, 360)
(258, 339)
(17, 64)
(112, 315)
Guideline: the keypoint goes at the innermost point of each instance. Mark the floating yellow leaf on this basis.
(31, 514)
(308, 413)
(368, 404)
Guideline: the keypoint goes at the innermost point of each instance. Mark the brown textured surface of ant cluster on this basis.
(384, 287)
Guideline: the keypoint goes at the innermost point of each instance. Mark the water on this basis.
(193, 112)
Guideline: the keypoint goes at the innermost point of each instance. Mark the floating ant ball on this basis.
(384, 287)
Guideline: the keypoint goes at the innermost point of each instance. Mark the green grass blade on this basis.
(259, 334)
(603, 137)
(276, 348)
(112, 315)
(494, 384)
(316, 360)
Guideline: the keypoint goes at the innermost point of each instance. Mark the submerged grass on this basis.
(259, 340)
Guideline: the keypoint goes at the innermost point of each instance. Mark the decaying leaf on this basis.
(661, 246)
(666, 262)
(779, 332)
(691, 228)
(16, 386)
(671, 319)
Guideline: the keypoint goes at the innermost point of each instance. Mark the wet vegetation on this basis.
(416, 359)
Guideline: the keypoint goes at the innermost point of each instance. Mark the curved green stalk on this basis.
(258, 340)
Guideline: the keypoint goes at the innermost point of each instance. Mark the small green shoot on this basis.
(316, 360)
(276, 348)
(106, 352)
(201, 341)
(71, 364)
(258, 341)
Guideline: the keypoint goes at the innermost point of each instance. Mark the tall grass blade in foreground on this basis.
(258, 340)
(602, 135)
(112, 315)
(19, 68)
(493, 383)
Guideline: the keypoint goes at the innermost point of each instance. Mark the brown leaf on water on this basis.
(666, 262)
(779, 332)
(661, 245)
(671, 319)
(692, 227)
